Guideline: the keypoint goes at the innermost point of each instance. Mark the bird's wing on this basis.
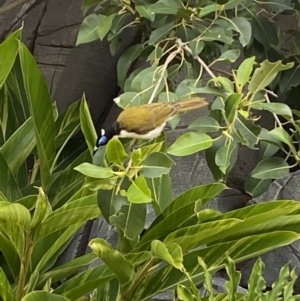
(144, 118)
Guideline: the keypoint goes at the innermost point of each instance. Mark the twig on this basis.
(196, 57)
(268, 101)
(271, 93)
(170, 57)
(11, 6)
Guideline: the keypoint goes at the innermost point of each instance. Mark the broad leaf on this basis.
(94, 171)
(190, 143)
(271, 168)
(138, 192)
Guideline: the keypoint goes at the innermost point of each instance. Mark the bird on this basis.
(146, 121)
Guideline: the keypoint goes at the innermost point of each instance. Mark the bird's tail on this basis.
(190, 104)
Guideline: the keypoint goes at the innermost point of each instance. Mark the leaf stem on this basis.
(25, 260)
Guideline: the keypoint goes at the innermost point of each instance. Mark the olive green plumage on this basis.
(144, 118)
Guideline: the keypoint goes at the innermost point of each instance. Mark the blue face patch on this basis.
(102, 140)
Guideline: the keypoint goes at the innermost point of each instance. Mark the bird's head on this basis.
(105, 136)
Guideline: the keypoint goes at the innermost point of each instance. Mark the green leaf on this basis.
(171, 253)
(66, 122)
(66, 269)
(104, 25)
(271, 168)
(114, 260)
(281, 134)
(15, 223)
(87, 125)
(41, 112)
(243, 27)
(145, 11)
(289, 78)
(19, 146)
(130, 219)
(267, 149)
(231, 106)
(42, 209)
(185, 294)
(190, 143)
(88, 30)
(45, 296)
(278, 6)
(138, 192)
(230, 55)
(94, 171)
(247, 130)
(73, 213)
(160, 33)
(216, 33)
(8, 184)
(6, 292)
(128, 99)
(8, 54)
(125, 61)
(166, 7)
(264, 31)
(196, 47)
(265, 74)
(225, 155)
(161, 191)
(276, 108)
(157, 164)
(245, 70)
(115, 152)
(256, 187)
(205, 124)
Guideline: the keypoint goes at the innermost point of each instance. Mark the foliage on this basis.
(49, 189)
(282, 288)
(190, 38)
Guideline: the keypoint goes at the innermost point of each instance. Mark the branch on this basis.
(169, 59)
(268, 101)
(11, 6)
(196, 57)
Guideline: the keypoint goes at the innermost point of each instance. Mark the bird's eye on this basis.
(102, 140)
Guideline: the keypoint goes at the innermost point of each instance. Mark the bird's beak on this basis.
(95, 150)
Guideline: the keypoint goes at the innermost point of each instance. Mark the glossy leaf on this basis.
(138, 192)
(41, 112)
(231, 105)
(156, 164)
(94, 171)
(88, 30)
(128, 99)
(45, 296)
(160, 33)
(125, 61)
(87, 125)
(264, 31)
(243, 27)
(276, 108)
(205, 124)
(289, 78)
(256, 187)
(245, 70)
(8, 184)
(115, 152)
(130, 219)
(114, 260)
(271, 168)
(8, 54)
(145, 11)
(265, 74)
(171, 253)
(225, 155)
(104, 25)
(6, 292)
(281, 134)
(190, 143)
